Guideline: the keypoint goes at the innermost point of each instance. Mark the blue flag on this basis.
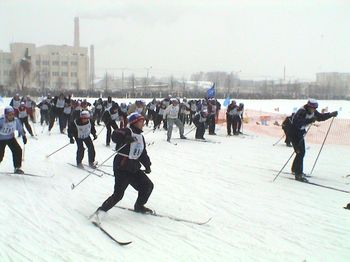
(211, 92)
(227, 101)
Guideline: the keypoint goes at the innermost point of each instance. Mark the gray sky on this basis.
(255, 37)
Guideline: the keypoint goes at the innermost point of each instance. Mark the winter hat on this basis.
(134, 117)
(8, 110)
(312, 103)
(84, 114)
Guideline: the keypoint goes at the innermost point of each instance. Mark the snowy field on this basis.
(230, 181)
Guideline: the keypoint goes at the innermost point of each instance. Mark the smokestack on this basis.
(76, 32)
(92, 66)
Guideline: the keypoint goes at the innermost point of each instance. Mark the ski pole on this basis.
(24, 151)
(190, 131)
(92, 172)
(290, 157)
(279, 140)
(283, 166)
(324, 140)
(47, 156)
(101, 130)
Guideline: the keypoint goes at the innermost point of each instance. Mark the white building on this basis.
(52, 66)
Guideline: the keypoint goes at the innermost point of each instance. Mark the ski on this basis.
(109, 235)
(90, 171)
(173, 143)
(203, 141)
(98, 169)
(320, 185)
(168, 216)
(25, 174)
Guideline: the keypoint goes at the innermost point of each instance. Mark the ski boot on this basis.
(98, 215)
(93, 165)
(18, 171)
(301, 178)
(142, 209)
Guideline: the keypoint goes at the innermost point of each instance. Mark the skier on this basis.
(171, 113)
(23, 117)
(304, 116)
(15, 103)
(199, 121)
(109, 117)
(240, 111)
(44, 106)
(232, 116)
(126, 166)
(286, 126)
(151, 111)
(98, 104)
(8, 124)
(211, 116)
(80, 130)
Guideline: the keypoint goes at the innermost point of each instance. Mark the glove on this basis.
(148, 170)
(334, 114)
(71, 140)
(129, 139)
(24, 138)
(95, 136)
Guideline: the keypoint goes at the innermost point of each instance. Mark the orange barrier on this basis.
(269, 124)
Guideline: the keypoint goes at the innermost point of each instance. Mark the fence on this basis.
(269, 124)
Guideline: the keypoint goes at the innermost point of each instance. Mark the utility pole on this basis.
(106, 87)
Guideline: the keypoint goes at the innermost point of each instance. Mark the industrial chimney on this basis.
(76, 32)
(92, 66)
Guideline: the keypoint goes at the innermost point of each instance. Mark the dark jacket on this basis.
(121, 160)
(304, 117)
(73, 131)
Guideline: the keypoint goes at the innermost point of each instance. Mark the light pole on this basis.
(148, 73)
(235, 76)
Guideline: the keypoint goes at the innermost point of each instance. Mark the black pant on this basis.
(26, 123)
(16, 151)
(98, 115)
(157, 121)
(232, 122)
(299, 148)
(65, 118)
(44, 116)
(109, 131)
(200, 130)
(211, 122)
(139, 181)
(80, 151)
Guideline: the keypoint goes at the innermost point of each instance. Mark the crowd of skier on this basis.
(124, 123)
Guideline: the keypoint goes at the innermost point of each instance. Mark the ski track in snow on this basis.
(253, 218)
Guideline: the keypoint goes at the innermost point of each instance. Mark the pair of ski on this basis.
(152, 214)
(313, 183)
(203, 141)
(25, 174)
(92, 170)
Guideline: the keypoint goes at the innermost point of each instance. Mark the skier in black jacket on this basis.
(80, 129)
(109, 117)
(131, 147)
(304, 116)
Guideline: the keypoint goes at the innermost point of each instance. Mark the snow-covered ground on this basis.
(253, 218)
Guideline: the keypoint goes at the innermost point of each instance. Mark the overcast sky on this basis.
(256, 38)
